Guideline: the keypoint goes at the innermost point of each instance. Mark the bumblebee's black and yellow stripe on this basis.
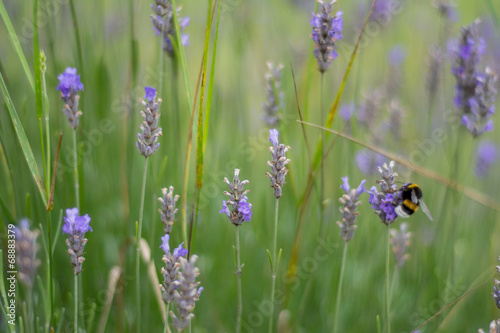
(411, 195)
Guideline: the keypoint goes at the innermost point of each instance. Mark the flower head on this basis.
(69, 85)
(163, 23)
(168, 209)
(367, 160)
(147, 140)
(237, 208)
(385, 201)
(26, 250)
(275, 96)
(487, 156)
(326, 31)
(278, 164)
(76, 226)
(350, 204)
(171, 268)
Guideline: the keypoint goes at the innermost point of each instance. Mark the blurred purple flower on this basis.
(367, 161)
(487, 156)
(396, 55)
(150, 94)
(327, 30)
(273, 137)
(179, 251)
(163, 22)
(278, 171)
(69, 82)
(348, 209)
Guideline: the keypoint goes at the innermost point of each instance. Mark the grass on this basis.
(450, 257)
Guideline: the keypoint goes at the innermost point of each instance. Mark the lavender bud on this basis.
(237, 208)
(274, 96)
(326, 31)
(171, 268)
(350, 204)
(278, 163)
(69, 85)
(385, 201)
(147, 140)
(76, 226)
(168, 209)
(26, 249)
(400, 240)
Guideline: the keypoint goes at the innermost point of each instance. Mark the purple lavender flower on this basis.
(163, 23)
(76, 226)
(496, 288)
(367, 161)
(168, 209)
(69, 85)
(487, 156)
(237, 208)
(385, 201)
(26, 249)
(396, 55)
(147, 140)
(171, 268)
(350, 204)
(326, 31)
(274, 96)
(278, 163)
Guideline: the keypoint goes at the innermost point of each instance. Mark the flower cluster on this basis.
(26, 249)
(400, 240)
(237, 208)
(76, 226)
(163, 23)
(168, 209)
(487, 156)
(186, 292)
(278, 163)
(274, 95)
(385, 201)
(350, 204)
(171, 269)
(475, 91)
(69, 85)
(326, 31)
(147, 140)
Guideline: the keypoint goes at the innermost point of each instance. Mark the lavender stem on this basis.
(238, 275)
(387, 258)
(339, 288)
(75, 171)
(137, 261)
(76, 303)
(275, 264)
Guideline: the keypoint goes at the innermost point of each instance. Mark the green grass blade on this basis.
(23, 141)
(8, 181)
(493, 13)
(45, 109)
(77, 37)
(58, 231)
(211, 83)
(15, 42)
(36, 67)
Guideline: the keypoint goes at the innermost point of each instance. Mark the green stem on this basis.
(322, 169)
(75, 171)
(387, 252)
(238, 275)
(47, 186)
(51, 282)
(165, 327)
(339, 288)
(137, 262)
(76, 303)
(77, 36)
(275, 264)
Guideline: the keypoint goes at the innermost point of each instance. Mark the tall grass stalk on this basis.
(238, 275)
(75, 171)
(387, 257)
(138, 257)
(339, 288)
(274, 264)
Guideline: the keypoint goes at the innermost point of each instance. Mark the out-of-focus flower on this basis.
(350, 204)
(274, 96)
(487, 156)
(26, 249)
(400, 240)
(163, 23)
(278, 163)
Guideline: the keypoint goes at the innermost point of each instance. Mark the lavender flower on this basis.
(494, 327)
(163, 23)
(186, 292)
(487, 156)
(168, 209)
(327, 30)
(400, 241)
(26, 249)
(278, 163)
(396, 56)
(367, 160)
(76, 226)
(69, 85)
(385, 201)
(171, 269)
(350, 204)
(147, 140)
(274, 96)
(237, 208)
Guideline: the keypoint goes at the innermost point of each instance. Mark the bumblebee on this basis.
(411, 199)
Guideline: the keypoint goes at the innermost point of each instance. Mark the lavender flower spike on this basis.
(487, 156)
(327, 30)
(385, 201)
(168, 209)
(147, 140)
(237, 208)
(171, 268)
(350, 204)
(186, 292)
(278, 163)
(76, 226)
(26, 249)
(163, 23)
(69, 85)
(274, 96)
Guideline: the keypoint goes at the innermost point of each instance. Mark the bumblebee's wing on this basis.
(414, 198)
(425, 209)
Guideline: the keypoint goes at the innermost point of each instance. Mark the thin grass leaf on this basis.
(8, 180)
(3, 293)
(23, 141)
(114, 277)
(134, 53)
(493, 12)
(43, 295)
(61, 321)
(58, 230)
(77, 36)
(37, 69)
(7, 212)
(45, 112)
(17, 46)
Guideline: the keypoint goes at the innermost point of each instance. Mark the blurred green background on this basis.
(447, 257)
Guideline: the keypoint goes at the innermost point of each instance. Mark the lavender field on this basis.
(249, 166)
